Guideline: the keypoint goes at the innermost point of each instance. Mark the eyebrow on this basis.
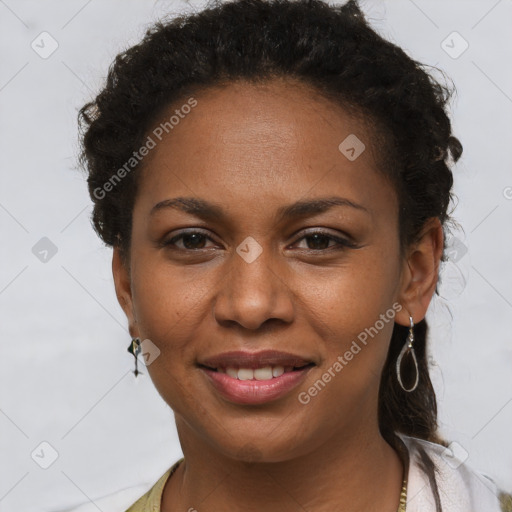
(213, 211)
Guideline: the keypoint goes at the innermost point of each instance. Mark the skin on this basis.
(244, 146)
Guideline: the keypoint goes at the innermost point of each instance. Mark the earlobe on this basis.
(122, 284)
(421, 273)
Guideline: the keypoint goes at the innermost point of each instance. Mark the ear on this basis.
(420, 273)
(122, 283)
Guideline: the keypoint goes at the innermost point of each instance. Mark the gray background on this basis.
(66, 376)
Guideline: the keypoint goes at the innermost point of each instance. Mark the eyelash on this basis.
(343, 243)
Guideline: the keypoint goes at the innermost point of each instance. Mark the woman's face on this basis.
(255, 278)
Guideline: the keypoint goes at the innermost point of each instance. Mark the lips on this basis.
(254, 360)
(255, 378)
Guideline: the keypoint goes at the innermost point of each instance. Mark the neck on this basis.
(354, 473)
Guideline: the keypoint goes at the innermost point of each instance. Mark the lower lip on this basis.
(253, 392)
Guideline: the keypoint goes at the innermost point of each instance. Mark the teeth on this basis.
(277, 370)
(266, 373)
(232, 372)
(263, 373)
(245, 374)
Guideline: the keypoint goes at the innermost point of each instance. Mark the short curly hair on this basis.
(332, 49)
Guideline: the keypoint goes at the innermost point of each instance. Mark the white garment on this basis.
(461, 489)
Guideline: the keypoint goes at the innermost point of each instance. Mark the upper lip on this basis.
(242, 359)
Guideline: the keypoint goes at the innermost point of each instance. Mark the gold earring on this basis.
(135, 349)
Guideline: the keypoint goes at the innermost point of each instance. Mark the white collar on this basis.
(461, 489)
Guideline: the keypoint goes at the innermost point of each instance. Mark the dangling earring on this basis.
(406, 360)
(135, 349)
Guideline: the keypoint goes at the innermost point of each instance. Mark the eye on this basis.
(319, 241)
(192, 240)
(315, 241)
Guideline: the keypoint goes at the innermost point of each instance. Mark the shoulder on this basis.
(151, 501)
(133, 499)
(505, 502)
(460, 486)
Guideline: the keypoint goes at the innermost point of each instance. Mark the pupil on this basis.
(194, 237)
(317, 237)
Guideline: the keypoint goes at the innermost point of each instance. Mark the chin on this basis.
(263, 447)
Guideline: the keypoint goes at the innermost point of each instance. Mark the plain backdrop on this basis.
(66, 377)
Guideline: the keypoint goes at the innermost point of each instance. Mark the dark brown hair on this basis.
(331, 48)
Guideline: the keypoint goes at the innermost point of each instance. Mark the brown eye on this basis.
(320, 240)
(191, 240)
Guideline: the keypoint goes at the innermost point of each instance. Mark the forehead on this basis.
(281, 111)
(275, 137)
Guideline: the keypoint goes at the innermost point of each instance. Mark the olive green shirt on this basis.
(152, 500)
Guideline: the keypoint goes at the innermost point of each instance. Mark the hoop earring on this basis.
(135, 349)
(407, 358)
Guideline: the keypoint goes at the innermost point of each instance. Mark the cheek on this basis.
(352, 310)
(355, 346)
(356, 325)
(168, 312)
(351, 297)
(169, 303)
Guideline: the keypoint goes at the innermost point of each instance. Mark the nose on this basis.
(254, 293)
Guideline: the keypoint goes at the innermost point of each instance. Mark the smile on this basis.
(255, 378)
(265, 373)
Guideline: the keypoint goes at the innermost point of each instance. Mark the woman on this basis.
(223, 149)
